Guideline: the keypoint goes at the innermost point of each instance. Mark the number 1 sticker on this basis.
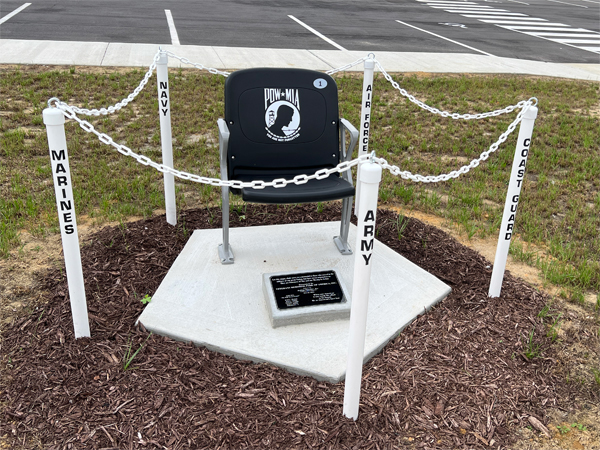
(320, 83)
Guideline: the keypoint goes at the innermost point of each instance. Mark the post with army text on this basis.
(515, 184)
(54, 120)
(370, 176)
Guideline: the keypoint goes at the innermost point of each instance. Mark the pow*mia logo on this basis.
(282, 114)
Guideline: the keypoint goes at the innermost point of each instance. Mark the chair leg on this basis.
(341, 241)
(225, 252)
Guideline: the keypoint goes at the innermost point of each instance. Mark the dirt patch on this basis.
(470, 387)
(486, 247)
(20, 288)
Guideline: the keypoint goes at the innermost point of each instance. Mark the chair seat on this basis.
(333, 187)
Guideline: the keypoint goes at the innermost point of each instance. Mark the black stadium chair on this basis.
(280, 123)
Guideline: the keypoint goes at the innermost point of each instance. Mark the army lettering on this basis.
(368, 237)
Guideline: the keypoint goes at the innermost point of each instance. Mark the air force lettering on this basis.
(365, 119)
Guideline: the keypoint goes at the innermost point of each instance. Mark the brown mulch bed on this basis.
(457, 377)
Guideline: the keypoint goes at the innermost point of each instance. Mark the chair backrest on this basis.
(281, 121)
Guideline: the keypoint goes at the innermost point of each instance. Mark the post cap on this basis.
(53, 116)
(163, 58)
(531, 113)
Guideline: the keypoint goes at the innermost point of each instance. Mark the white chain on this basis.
(298, 179)
(198, 65)
(72, 111)
(455, 116)
(395, 170)
(117, 106)
(347, 66)
(256, 184)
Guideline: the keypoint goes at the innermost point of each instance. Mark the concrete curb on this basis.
(225, 58)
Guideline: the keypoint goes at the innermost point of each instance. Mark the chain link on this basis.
(454, 116)
(298, 179)
(198, 65)
(347, 66)
(72, 111)
(395, 170)
(117, 106)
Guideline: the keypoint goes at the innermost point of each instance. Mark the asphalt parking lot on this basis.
(564, 31)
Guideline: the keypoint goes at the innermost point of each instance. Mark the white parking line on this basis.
(444, 1)
(445, 38)
(571, 35)
(570, 4)
(14, 13)
(579, 41)
(534, 34)
(172, 29)
(488, 12)
(476, 7)
(530, 20)
(510, 22)
(526, 17)
(517, 28)
(515, 1)
(312, 30)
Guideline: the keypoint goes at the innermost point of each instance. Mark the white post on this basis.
(370, 176)
(54, 120)
(166, 139)
(512, 200)
(365, 120)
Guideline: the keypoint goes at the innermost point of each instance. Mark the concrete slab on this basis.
(14, 51)
(52, 52)
(206, 56)
(222, 307)
(244, 58)
(132, 55)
